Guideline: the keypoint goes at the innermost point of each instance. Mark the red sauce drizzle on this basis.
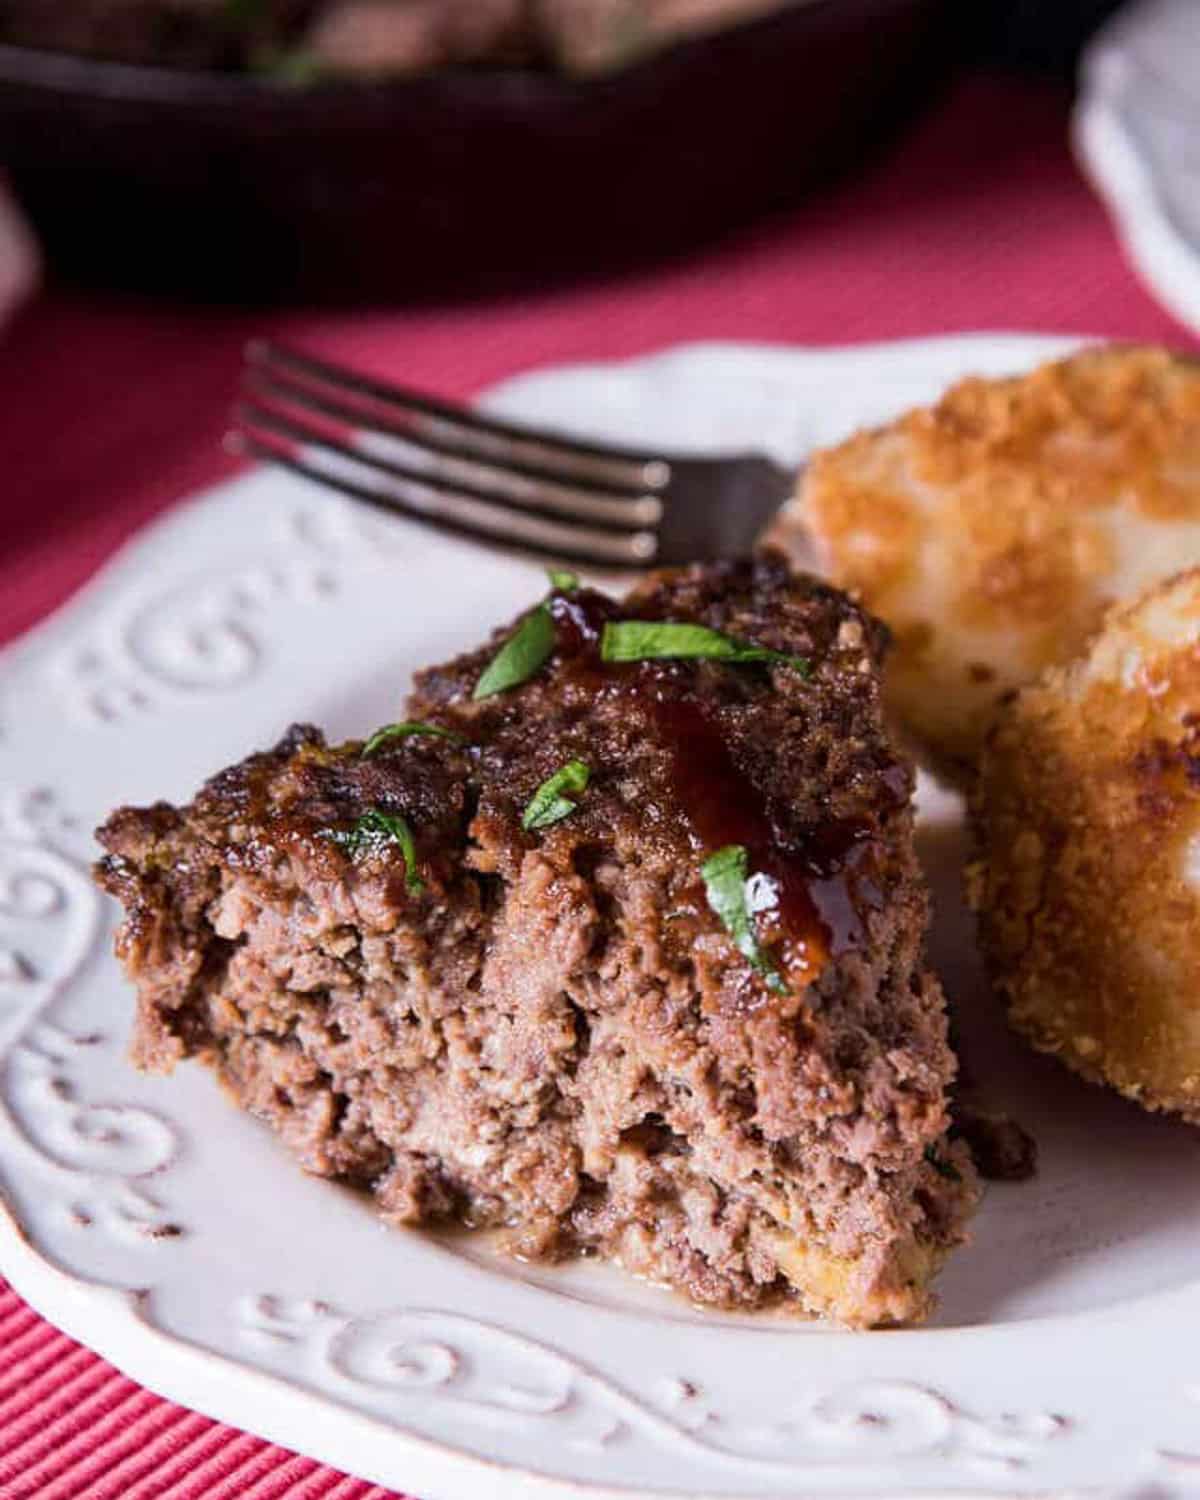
(822, 885)
(820, 889)
(579, 618)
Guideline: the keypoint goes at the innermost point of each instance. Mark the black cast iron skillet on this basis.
(461, 183)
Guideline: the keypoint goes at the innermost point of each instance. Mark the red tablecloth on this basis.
(113, 409)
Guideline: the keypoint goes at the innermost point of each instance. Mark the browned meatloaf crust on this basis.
(556, 1034)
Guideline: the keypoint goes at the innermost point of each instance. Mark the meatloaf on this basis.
(616, 948)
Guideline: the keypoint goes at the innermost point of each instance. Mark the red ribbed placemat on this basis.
(113, 410)
(72, 1426)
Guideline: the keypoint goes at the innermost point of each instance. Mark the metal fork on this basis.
(467, 473)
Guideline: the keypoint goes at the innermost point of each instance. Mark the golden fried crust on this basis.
(1087, 885)
(992, 530)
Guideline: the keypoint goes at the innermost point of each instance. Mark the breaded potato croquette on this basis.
(992, 530)
(1087, 886)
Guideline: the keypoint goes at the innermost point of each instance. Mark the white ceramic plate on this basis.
(1137, 135)
(171, 1233)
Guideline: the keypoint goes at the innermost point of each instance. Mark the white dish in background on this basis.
(174, 1235)
(1137, 134)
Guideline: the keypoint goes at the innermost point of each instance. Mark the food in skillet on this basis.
(304, 39)
(616, 942)
(992, 530)
(1087, 820)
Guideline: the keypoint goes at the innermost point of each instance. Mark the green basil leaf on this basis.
(405, 730)
(724, 875)
(550, 803)
(653, 640)
(562, 580)
(371, 832)
(530, 644)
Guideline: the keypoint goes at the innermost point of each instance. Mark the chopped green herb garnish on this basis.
(651, 640)
(724, 875)
(406, 730)
(945, 1169)
(372, 832)
(552, 802)
(530, 644)
(562, 581)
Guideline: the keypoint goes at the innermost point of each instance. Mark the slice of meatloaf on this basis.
(729, 1075)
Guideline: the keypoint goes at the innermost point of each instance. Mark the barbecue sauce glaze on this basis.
(815, 888)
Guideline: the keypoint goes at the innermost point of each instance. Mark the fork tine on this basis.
(395, 449)
(456, 430)
(619, 515)
(355, 474)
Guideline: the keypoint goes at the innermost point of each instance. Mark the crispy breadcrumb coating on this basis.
(1087, 886)
(992, 530)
